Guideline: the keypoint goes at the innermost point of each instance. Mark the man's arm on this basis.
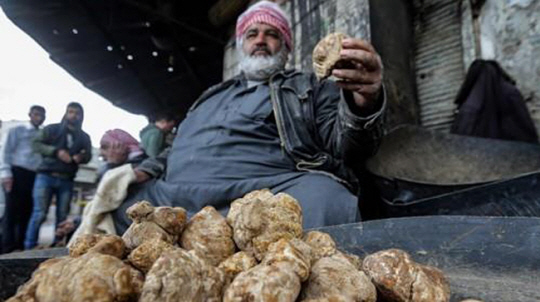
(350, 119)
(346, 134)
(6, 154)
(152, 167)
(85, 154)
(39, 144)
(360, 136)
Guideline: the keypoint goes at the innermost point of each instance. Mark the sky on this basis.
(28, 77)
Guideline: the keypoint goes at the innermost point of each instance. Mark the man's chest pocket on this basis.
(256, 111)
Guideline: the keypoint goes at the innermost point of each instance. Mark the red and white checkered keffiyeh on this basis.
(120, 136)
(268, 13)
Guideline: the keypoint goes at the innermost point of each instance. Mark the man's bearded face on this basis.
(262, 52)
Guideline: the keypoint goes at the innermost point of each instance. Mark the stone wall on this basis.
(392, 35)
(510, 34)
(313, 19)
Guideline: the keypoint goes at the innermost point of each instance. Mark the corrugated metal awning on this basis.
(438, 60)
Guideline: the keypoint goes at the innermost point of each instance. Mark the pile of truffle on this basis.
(259, 252)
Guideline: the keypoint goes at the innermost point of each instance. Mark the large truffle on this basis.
(264, 283)
(398, 278)
(326, 55)
(259, 220)
(179, 275)
(295, 252)
(104, 244)
(208, 233)
(237, 263)
(277, 277)
(337, 278)
(90, 277)
(321, 243)
(144, 256)
(165, 223)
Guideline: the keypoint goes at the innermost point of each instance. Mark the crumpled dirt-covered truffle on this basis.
(326, 55)
(337, 278)
(104, 244)
(321, 244)
(277, 277)
(295, 252)
(90, 277)
(237, 204)
(399, 278)
(208, 233)
(140, 211)
(179, 275)
(237, 263)
(264, 283)
(259, 219)
(144, 256)
(171, 219)
(165, 223)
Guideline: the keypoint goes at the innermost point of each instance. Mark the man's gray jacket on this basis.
(316, 125)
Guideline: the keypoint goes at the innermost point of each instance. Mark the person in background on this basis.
(490, 105)
(63, 147)
(117, 147)
(273, 128)
(18, 168)
(154, 135)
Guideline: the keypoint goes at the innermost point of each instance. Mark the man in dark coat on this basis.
(272, 128)
(490, 105)
(63, 147)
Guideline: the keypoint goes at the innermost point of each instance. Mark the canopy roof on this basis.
(144, 56)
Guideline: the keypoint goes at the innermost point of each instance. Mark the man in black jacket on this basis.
(273, 128)
(63, 147)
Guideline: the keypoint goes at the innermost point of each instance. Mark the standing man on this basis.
(273, 128)
(63, 146)
(154, 135)
(18, 171)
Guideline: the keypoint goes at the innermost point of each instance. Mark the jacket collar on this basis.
(286, 73)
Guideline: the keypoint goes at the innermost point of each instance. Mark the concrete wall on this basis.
(468, 38)
(313, 19)
(510, 34)
(392, 36)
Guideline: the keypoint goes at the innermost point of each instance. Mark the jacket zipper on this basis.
(275, 107)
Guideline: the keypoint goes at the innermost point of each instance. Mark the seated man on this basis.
(272, 128)
(117, 147)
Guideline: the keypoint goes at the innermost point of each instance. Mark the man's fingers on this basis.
(368, 89)
(369, 60)
(356, 76)
(357, 43)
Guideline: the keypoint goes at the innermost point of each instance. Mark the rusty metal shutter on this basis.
(438, 60)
